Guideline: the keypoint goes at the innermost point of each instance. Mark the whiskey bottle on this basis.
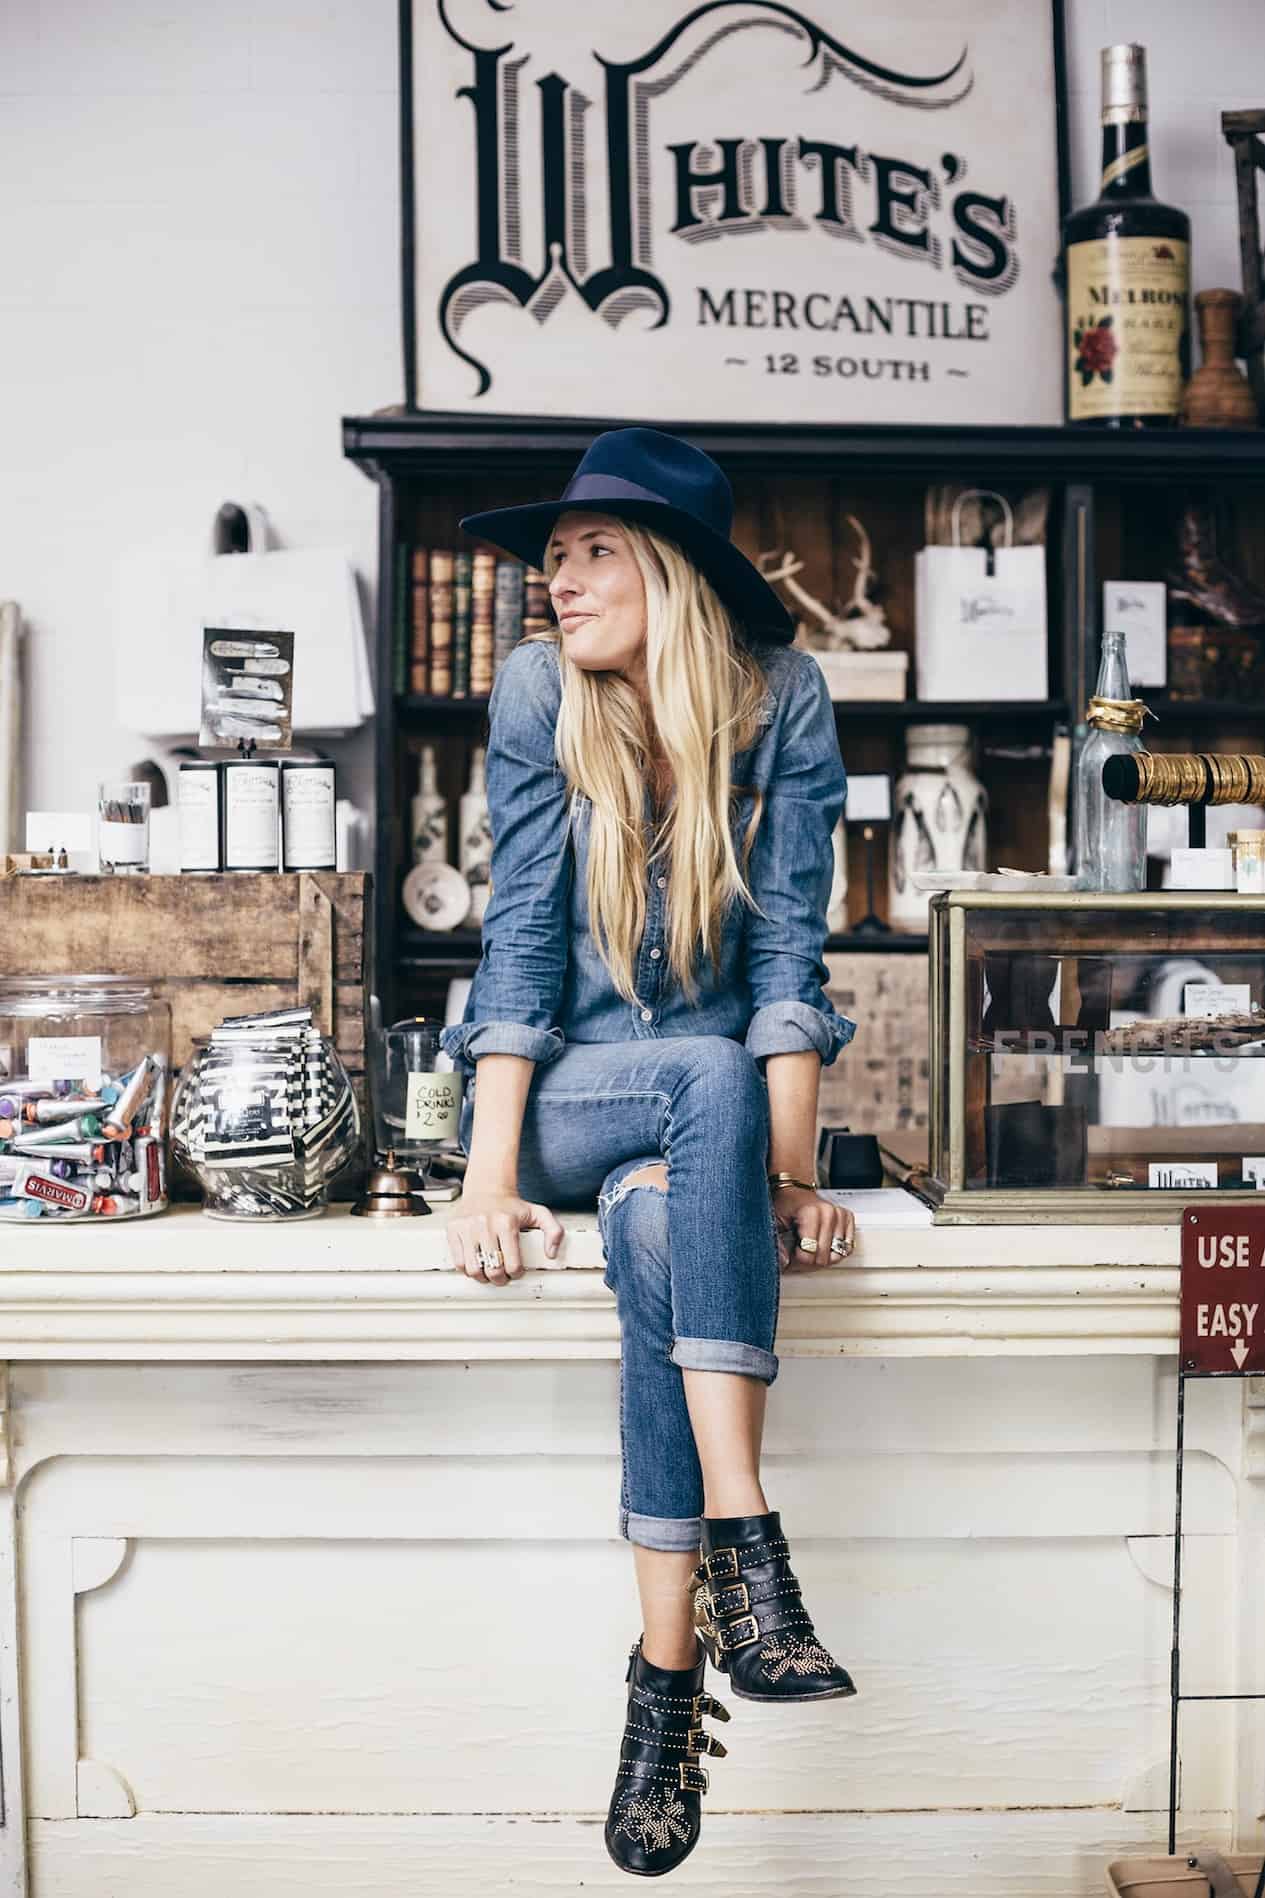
(1128, 274)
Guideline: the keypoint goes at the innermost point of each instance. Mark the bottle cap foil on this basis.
(1123, 84)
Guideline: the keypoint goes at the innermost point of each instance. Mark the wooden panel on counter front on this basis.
(210, 945)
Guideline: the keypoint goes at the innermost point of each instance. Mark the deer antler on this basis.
(784, 575)
(860, 601)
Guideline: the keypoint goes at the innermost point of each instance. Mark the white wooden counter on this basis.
(183, 1286)
(310, 1581)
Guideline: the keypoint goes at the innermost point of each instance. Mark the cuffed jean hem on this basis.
(724, 1354)
(678, 1535)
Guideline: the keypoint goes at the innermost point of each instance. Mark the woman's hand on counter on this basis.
(799, 1215)
(483, 1233)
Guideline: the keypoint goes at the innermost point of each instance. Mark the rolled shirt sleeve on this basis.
(790, 874)
(516, 994)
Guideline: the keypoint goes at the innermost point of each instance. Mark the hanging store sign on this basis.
(1223, 1289)
(740, 210)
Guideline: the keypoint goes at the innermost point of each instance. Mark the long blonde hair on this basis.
(705, 689)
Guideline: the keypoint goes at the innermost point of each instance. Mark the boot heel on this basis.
(711, 1647)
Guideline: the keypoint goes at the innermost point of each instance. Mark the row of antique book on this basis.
(457, 618)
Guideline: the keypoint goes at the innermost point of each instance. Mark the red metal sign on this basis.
(1223, 1289)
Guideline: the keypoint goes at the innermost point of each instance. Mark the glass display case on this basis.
(1095, 1058)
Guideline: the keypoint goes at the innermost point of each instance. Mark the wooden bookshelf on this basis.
(1112, 495)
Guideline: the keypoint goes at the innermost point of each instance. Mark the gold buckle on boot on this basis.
(735, 1636)
(721, 1565)
(692, 1778)
(730, 1601)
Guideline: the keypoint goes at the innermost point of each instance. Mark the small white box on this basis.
(1195, 1175)
(869, 799)
(864, 675)
(1202, 869)
(1139, 610)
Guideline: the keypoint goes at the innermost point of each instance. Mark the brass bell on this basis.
(391, 1192)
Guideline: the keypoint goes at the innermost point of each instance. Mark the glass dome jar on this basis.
(85, 1067)
(264, 1123)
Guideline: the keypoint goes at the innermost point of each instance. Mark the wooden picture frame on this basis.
(563, 255)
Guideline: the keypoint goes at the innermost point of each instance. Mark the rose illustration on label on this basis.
(1096, 351)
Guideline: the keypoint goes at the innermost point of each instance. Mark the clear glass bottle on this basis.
(1110, 836)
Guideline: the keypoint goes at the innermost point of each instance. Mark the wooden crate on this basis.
(209, 945)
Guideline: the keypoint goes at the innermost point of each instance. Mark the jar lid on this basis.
(1253, 839)
(90, 994)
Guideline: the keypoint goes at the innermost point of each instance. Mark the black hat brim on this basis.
(524, 532)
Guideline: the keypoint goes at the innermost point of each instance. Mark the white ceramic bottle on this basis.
(474, 836)
(939, 820)
(429, 815)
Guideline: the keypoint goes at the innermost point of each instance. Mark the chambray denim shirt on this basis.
(541, 982)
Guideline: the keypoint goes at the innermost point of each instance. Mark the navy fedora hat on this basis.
(663, 483)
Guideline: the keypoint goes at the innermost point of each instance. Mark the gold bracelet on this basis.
(778, 1180)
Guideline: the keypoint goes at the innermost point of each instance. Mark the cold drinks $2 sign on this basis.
(741, 210)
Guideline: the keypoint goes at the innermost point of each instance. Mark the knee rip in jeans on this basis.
(652, 1176)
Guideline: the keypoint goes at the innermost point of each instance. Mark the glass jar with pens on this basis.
(123, 827)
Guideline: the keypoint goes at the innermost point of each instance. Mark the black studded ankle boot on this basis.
(656, 1808)
(751, 1618)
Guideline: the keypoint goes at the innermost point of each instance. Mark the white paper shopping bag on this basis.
(980, 618)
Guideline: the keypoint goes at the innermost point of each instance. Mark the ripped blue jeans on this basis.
(694, 1268)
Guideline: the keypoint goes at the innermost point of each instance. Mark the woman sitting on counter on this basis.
(663, 739)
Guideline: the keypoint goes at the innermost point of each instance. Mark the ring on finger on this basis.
(808, 1245)
(491, 1261)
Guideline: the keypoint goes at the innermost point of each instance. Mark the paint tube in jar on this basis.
(149, 1180)
(35, 1181)
(132, 1090)
(18, 1209)
(43, 1113)
(62, 1133)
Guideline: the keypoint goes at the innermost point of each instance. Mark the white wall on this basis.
(199, 276)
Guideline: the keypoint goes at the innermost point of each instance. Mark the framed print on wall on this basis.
(734, 210)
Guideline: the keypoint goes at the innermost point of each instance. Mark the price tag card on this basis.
(52, 1058)
(1210, 999)
(1139, 610)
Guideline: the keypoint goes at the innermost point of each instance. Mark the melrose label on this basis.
(1126, 300)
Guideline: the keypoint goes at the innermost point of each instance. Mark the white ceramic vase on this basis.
(474, 836)
(939, 818)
